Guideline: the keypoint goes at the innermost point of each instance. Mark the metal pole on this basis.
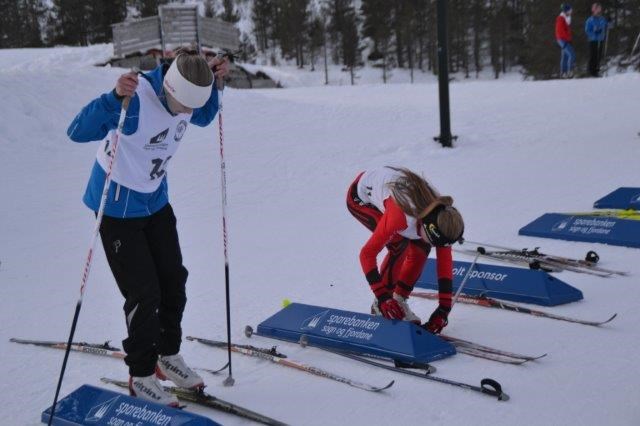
(229, 381)
(87, 265)
(464, 280)
(445, 137)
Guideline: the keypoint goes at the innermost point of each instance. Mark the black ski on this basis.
(207, 400)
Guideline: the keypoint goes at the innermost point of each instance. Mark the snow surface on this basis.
(525, 148)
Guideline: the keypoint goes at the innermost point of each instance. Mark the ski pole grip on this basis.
(125, 103)
(493, 388)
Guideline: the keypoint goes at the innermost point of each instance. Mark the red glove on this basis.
(391, 309)
(438, 320)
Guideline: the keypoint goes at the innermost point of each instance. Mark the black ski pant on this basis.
(595, 54)
(145, 258)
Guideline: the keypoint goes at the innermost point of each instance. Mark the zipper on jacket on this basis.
(117, 196)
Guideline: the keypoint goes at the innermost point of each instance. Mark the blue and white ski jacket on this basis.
(596, 28)
(100, 117)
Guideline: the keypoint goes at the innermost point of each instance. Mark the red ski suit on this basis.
(406, 257)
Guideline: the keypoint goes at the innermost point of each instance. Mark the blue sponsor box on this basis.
(90, 405)
(592, 229)
(621, 198)
(506, 283)
(356, 332)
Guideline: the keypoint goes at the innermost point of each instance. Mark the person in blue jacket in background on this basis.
(596, 29)
(138, 229)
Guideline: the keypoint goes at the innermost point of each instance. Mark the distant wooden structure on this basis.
(143, 42)
(175, 26)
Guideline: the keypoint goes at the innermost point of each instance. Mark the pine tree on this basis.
(9, 24)
(478, 24)
(377, 26)
(103, 14)
(351, 49)
(31, 13)
(72, 22)
(149, 7)
(209, 11)
(229, 13)
(262, 15)
(316, 37)
(335, 10)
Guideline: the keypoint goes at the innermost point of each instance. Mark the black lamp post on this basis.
(445, 137)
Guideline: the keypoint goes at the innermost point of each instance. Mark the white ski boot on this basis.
(173, 367)
(409, 315)
(150, 389)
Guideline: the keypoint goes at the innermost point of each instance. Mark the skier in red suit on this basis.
(408, 217)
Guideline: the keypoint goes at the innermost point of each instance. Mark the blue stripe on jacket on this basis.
(94, 122)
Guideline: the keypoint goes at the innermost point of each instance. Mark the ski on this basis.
(101, 349)
(629, 214)
(398, 366)
(207, 400)
(553, 261)
(265, 354)
(490, 356)
(460, 343)
(523, 259)
(487, 387)
(273, 351)
(534, 257)
(487, 302)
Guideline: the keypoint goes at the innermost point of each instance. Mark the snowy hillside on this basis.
(525, 148)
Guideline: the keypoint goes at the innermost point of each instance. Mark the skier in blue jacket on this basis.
(596, 29)
(138, 229)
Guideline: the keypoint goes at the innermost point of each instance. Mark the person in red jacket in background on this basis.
(407, 216)
(564, 38)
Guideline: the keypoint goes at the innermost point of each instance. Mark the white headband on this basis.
(188, 94)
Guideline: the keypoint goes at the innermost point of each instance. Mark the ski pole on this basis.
(87, 265)
(604, 54)
(229, 381)
(635, 45)
(466, 276)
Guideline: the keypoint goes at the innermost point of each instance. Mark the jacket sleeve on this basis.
(100, 116)
(588, 29)
(204, 116)
(392, 221)
(558, 28)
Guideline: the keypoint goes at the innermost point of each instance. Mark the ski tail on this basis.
(207, 400)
